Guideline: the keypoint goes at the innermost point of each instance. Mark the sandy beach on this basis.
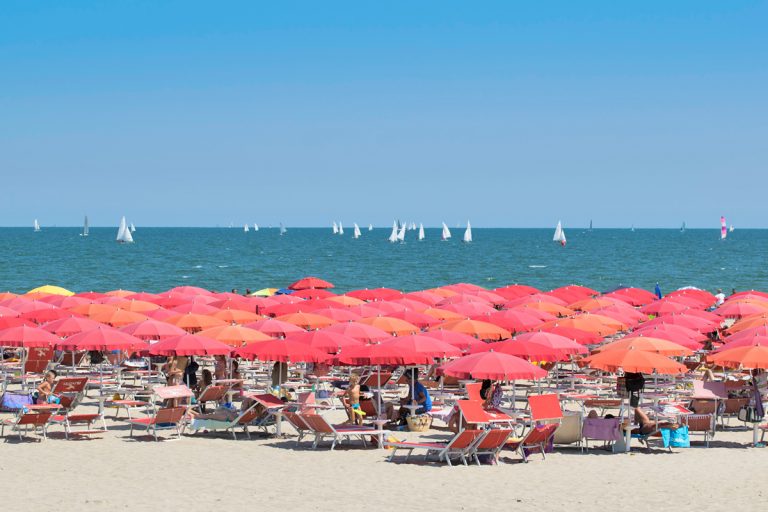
(213, 472)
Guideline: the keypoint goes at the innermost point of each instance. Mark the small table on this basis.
(380, 422)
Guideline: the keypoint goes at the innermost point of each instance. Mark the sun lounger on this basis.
(536, 439)
(373, 381)
(27, 420)
(607, 430)
(164, 419)
(322, 429)
(241, 421)
(460, 446)
(71, 391)
(472, 413)
(570, 429)
(298, 424)
(702, 424)
(491, 444)
(212, 393)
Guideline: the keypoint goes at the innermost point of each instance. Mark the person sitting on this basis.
(44, 392)
(352, 404)
(649, 426)
(491, 393)
(417, 395)
(205, 380)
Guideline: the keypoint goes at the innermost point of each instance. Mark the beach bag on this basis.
(748, 414)
(12, 402)
(678, 438)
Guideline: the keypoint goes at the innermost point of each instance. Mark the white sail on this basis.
(282, 229)
(37, 225)
(133, 228)
(730, 229)
(335, 228)
(393, 235)
(446, 232)
(356, 233)
(468, 233)
(401, 233)
(559, 234)
(245, 228)
(421, 231)
(370, 227)
(255, 227)
(123, 233)
(85, 227)
(682, 228)
(341, 229)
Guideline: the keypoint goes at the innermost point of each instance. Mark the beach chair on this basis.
(607, 430)
(24, 421)
(702, 424)
(730, 408)
(491, 444)
(164, 419)
(241, 421)
(372, 380)
(472, 413)
(570, 430)
(536, 439)
(71, 391)
(473, 390)
(460, 446)
(545, 408)
(212, 393)
(298, 424)
(35, 363)
(322, 429)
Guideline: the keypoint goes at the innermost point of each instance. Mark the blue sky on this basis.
(185, 113)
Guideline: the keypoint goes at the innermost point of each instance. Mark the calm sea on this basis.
(226, 258)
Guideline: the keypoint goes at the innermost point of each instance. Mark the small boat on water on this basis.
(370, 227)
(559, 234)
(468, 233)
(282, 229)
(255, 227)
(393, 236)
(723, 228)
(446, 233)
(682, 228)
(335, 228)
(124, 233)
(421, 231)
(341, 229)
(133, 228)
(401, 233)
(730, 229)
(36, 226)
(85, 227)
(245, 228)
(355, 231)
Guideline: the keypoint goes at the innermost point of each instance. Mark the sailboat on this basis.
(36, 226)
(682, 228)
(356, 232)
(370, 227)
(393, 236)
(335, 228)
(590, 225)
(632, 228)
(341, 229)
(468, 233)
(446, 232)
(123, 233)
(421, 231)
(133, 228)
(559, 234)
(723, 229)
(282, 229)
(245, 228)
(730, 229)
(85, 227)
(255, 227)
(401, 233)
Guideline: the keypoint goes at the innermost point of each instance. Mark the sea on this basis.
(224, 259)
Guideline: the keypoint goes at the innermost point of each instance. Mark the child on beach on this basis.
(353, 400)
(44, 392)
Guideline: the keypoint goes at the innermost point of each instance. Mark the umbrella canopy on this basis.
(118, 317)
(307, 320)
(632, 296)
(478, 329)
(13, 321)
(589, 322)
(457, 339)
(236, 316)
(577, 335)
(308, 283)
(71, 325)
(536, 297)
(192, 322)
(313, 294)
(198, 308)
(750, 357)
(189, 345)
(549, 307)
(274, 328)
(515, 291)
(52, 290)
(492, 365)
(41, 316)
(420, 320)
(562, 344)
(523, 349)
(424, 345)
(283, 350)
(739, 309)
(346, 300)
(376, 294)
(442, 314)
(27, 337)
(339, 314)
(239, 303)
(382, 353)
(638, 361)
(671, 332)
(101, 338)
(684, 320)
(24, 305)
(137, 306)
(659, 346)
(754, 340)
(513, 320)
(393, 326)
(663, 307)
(234, 335)
(467, 309)
(153, 330)
(325, 341)
(190, 290)
(359, 331)
(428, 298)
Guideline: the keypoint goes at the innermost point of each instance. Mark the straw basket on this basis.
(419, 423)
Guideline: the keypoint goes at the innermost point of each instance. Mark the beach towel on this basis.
(676, 438)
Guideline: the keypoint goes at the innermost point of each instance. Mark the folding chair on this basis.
(164, 419)
(323, 429)
(25, 421)
(461, 446)
(491, 444)
(536, 439)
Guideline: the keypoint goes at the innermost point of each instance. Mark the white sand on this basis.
(212, 472)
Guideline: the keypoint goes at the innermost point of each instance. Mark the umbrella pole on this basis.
(378, 389)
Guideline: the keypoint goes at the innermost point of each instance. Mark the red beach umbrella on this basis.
(359, 331)
(189, 345)
(101, 338)
(325, 341)
(27, 337)
(283, 350)
(308, 283)
(424, 345)
(152, 330)
(492, 365)
(71, 325)
(382, 354)
(274, 328)
(459, 340)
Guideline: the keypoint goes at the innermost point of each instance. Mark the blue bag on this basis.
(12, 402)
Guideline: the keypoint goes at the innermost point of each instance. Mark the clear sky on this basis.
(189, 113)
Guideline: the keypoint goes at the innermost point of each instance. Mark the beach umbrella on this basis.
(738, 295)
(573, 293)
(459, 340)
(274, 328)
(478, 329)
(410, 304)
(659, 346)
(513, 320)
(120, 293)
(51, 290)
(443, 292)
(376, 294)
(562, 344)
(460, 298)
(638, 361)
(629, 317)
(71, 325)
(339, 314)
(14, 321)
(282, 350)
(42, 316)
(536, 297)
(307, 320)
(593, 303)
(420, 320)
(101, 338)
(425, 297)
(684, 320)
(359, 331)
(515, 291)
(548, 307)
(523, 349)
(189, 345)
(464, 288)
(285, 298)
(239, 303)
(671, 332)
(468, 309)
(663, 307)
(346, 300)
(761, 330)
(152, 330)
(491, 365)
(288, 308)
(325, 341)
(747, 358)
(197, 308)
(541, 316)
(137, 306)
(686, 300)
(145, 296)
(754, 340)
(424, 345)
(705, 298)
(577, 335)
(442, 314)
(65, 302)
(310, 283)
(313, 294)
(7, 295)
(632, 296)
(590, 322)
(118, 317)
(738, 309)
(160, 314)
(190, 290)
(491, 298)
(235, 335)
(385, 307)
(192, 322)
(393, 326)
(236, 316)
(27, 337)
(264, 292)
(24, 305)
(379, 354)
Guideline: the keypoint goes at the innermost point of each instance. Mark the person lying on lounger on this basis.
(649, 426)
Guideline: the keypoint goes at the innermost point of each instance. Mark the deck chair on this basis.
(473, 390)
(536, 439)
(491, 444)
(460, 446)
(164, 419)
(298, 424)
(730, 409)
(570, 430)
(322, 429)
(372, 380)
(71, 391)
(545, 408)
(701, 424)
(241, 421)
(35, 364)
(25, 421)
(472, 413)
(607, 430)
(211, 393)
